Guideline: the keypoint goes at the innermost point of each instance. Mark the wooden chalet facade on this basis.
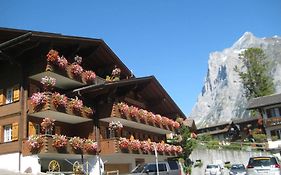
(145, 110)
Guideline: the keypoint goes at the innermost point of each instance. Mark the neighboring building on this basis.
(232, 131)
(270, 109)
(143, 107)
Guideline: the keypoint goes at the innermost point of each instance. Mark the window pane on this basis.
(7, 133)
(9, 96)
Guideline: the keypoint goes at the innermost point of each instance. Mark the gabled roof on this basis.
(148, 88)
(264, 101)
(95, 52)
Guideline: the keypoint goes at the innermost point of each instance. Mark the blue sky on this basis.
(170, 39)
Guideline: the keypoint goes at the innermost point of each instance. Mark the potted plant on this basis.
(75, 70)
(115, 75)
(35, 143)
(62, 62)
(134, 112)
(38, 100)
(150, 118)
(90, 146)
(88, 76)
(124, 109)
(158, 119)
(59, 101)
(47, 125)
(145, 147)
(160, 147)
(77, 144)
(60, 142)
(123, 143)
(76, 105)
(135, 145)
(52, 56)
(168, 148)
(48, 83)
(88, 112)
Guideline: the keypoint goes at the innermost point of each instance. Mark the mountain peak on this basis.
(247, 39)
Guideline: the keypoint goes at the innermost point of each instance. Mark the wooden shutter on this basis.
(57, 130)
(1, 97)
(1, 134)
(15, 131)
(16, 93)
(31, 128)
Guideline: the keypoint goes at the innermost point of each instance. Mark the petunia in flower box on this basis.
(76, 105)
(38, 100)
(77, 144)
(88, 76)
(135, 145)
(52, 56)
(60, 142)
(124, 143)
(90, 146)
(35, 143)
(75, 70)
(146, 147)
(47, 124)
(59, 101)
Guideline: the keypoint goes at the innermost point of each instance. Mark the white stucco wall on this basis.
(16, 163)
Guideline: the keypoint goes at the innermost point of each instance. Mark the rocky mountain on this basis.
(221, 99)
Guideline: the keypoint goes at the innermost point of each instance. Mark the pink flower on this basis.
(38, 99)
(76, 69)
(135, 145)
(123, 143)
(89, 76)
(62, 62)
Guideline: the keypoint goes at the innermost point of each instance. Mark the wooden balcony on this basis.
(274, 121)
(67, 114)
(64, 80)
(48, 151)
(137, 123)
(111, 147)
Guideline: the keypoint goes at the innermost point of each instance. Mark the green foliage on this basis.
(213, 144)
(255, 73)
(204, 138)
(259, 137)
(188, 144)
(232, 146)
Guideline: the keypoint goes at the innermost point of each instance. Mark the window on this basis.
(7, 133)
(162, 167)
(9, 96)
(37, 129)
(272, 112)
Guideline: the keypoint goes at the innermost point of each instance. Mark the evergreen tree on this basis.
(255, 73)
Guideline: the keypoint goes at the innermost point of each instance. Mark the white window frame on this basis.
(9, 95)
(7, 133)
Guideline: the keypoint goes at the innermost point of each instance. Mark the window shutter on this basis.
(31, 129)
(1, 134)
(16, 93)
(1, 97)
(15, 131)
(57, 130)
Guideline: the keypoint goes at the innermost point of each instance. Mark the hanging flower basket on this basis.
(146, 147)
(59, 101)
(89, 112)
(76, 105)
(77, 144)
(53, 56)
(90, 146)
(60, 143)
(38, 100)
(123, 143)
(160, 147)
(88, 76)
(35, 143)
(135, 145)
(48, 83)
(47, 124)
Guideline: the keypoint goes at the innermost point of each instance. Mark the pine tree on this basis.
(255, 73)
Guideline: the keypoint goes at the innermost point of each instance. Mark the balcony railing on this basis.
(273, 121)
(161, 125)
(48, 150)
(48, 106)
(126, 146)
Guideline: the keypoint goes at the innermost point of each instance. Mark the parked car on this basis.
(237, 169)
(213, 169)
(164, 168)
(263, 165)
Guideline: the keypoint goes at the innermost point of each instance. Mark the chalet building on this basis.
(238, 129)
(270, 109)
(69, 104)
